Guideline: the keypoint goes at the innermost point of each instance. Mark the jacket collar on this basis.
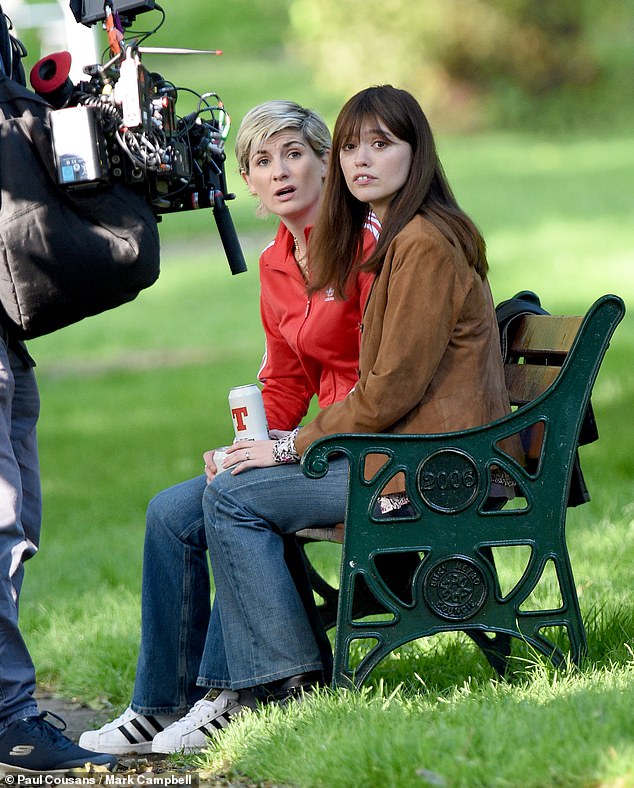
(284, 257)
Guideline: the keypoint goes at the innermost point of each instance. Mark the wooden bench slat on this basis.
(544, 335)
(527, 381)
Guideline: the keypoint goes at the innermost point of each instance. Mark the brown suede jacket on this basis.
(430, 357)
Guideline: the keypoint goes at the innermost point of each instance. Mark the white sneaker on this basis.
(130, 733)
(203, 721)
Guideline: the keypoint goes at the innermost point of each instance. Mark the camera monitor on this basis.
(90, 11)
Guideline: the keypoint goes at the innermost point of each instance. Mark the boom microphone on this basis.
(228, 236)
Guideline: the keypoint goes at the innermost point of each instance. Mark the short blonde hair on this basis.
(270, 118)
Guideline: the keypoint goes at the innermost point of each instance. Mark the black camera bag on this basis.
(64, 255)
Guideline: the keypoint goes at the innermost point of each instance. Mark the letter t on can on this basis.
(238, 415)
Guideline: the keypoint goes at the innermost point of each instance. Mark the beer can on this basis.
(220, 455)
(247, 413)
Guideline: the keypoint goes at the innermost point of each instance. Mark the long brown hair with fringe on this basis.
(336, 241)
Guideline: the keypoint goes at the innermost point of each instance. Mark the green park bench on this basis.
(432, 570)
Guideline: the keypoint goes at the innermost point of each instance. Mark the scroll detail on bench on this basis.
(446, 545)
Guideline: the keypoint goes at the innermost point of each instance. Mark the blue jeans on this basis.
(183, 651)
(20, 522)
(175, 606)
(265, 633)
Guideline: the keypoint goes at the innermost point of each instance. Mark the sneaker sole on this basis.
(140, 748)
(184, 750)
(8, 769)
(187, 749)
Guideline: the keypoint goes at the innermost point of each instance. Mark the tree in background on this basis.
(471, 62)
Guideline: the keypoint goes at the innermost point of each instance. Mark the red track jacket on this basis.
(312, 344)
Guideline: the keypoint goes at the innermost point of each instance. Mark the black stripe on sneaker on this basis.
(155, 724)
(218, 723)
(141, 733)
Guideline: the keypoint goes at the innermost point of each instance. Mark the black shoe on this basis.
(33, 745)
(285, 690)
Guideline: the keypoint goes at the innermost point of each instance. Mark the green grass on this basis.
(495, 735)
(131, 399)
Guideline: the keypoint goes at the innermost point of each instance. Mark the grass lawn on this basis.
(131, 399)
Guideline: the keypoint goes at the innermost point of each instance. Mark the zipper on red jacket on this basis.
(300, 330)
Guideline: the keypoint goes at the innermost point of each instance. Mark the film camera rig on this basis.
(121, 124)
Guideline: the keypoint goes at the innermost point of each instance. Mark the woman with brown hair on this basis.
(430, 362)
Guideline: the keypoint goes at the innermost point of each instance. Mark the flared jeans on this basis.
(259, 629)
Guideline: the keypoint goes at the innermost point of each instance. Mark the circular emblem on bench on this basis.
(448, 480)
(455, 588)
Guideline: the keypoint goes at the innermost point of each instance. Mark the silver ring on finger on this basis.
(247, 455)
